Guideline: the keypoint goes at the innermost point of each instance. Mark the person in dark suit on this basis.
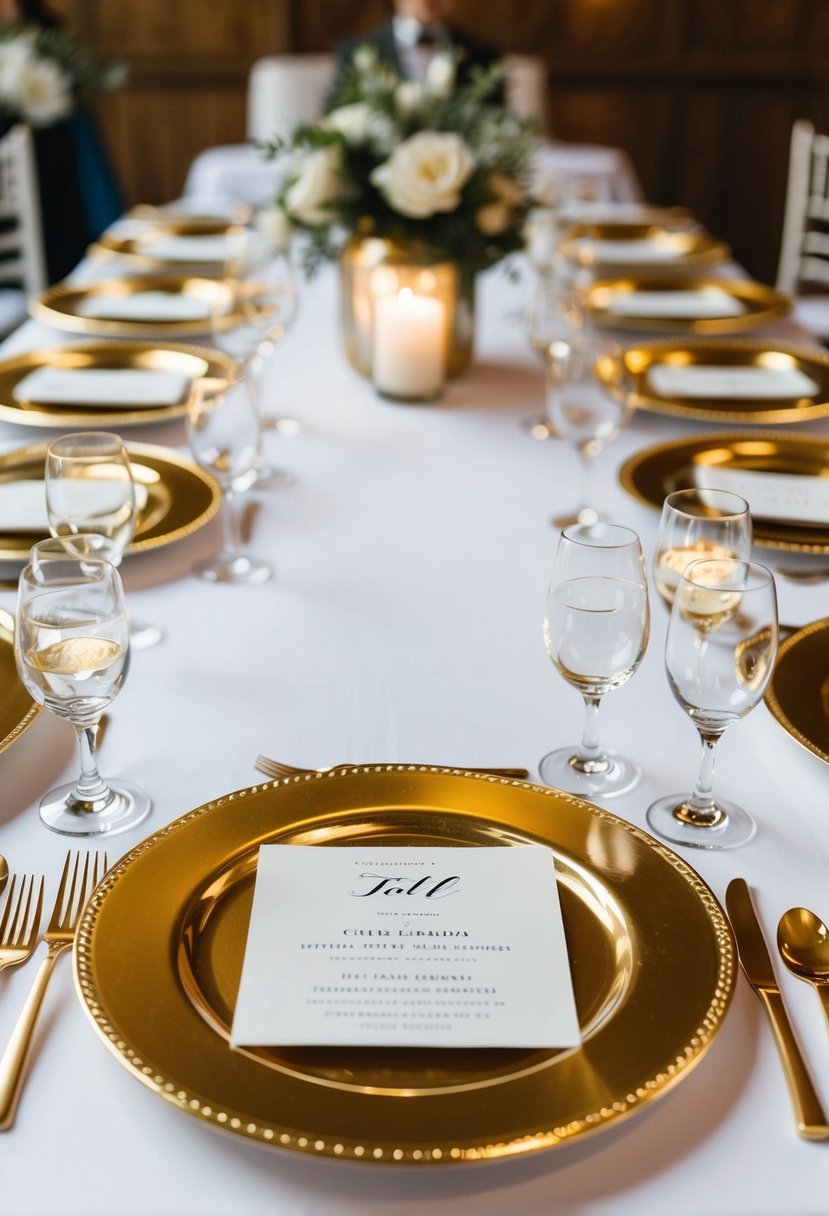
(409, 40)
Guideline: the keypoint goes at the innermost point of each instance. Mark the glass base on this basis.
(735, 827)
(537, 427)
(143, 635)
(611, 774)
(583, 515)
(235, 568)
(128, 807)
(289, 427)
(271, 479)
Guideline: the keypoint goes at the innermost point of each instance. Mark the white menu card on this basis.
(406, 947)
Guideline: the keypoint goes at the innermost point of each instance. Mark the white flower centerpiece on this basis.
(45, 76)
(405, 173)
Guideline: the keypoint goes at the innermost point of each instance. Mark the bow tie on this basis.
(427, 38)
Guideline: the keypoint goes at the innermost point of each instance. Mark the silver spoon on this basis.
(803, 942)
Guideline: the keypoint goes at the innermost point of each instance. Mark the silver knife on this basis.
(755, 961)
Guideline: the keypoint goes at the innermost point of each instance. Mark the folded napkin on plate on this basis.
(628, 251)
(783, 497)
(707, 302)
(23, 504)
(145, 306)
(102, 387)
(749, 383)
(217, 247)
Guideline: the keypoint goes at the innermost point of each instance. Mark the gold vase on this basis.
(374, 266)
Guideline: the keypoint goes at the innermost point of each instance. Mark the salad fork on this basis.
(19, 928)
(76, 885)
(276, 768)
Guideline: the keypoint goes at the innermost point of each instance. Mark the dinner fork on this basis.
(76, 885)
(276, 768)
(19, 929)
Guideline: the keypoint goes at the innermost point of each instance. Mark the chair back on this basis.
(804, 247)
(21, 240)
(285, 91)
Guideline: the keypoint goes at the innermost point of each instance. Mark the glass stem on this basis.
(587, 512)
(253, 366)
(701, 809)
(588, 757)
(230, 545)
(91, 793)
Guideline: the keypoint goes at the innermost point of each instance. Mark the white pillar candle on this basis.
(409, 360)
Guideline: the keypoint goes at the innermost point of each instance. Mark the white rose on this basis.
(317, 184)
(365, 58)
(440, 75)
(45, 93)
(353, 122)
(493, 219)
(408, 96)
(275, 226)
(15, 58)
(425, 174)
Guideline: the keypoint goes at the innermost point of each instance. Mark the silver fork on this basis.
(76, 885)
(276, 768)
(19, 928)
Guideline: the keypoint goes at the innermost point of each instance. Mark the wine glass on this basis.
(596, 633)
(90, 489)
(589, 398)
(71, 646)
(719, 656)
(224, 433)
(267, 301)
(698, 524)
(555, 319)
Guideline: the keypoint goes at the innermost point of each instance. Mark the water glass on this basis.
(719, 657)
(596, 633)
(698, 524)
(71, 645)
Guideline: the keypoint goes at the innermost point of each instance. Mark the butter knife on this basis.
(756, 963)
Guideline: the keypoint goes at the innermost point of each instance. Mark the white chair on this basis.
(22, 264)
(804, 248)
(286, 90)
(526, 88)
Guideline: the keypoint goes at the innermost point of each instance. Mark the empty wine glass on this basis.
(719, 656)
(698, 524)
(224, 430)
(71, 645)
(596, 632)
(555, 319)
(90, 488)
(589, 398)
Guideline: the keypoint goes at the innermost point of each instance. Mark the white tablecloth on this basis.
(412, 557)
(237, 173)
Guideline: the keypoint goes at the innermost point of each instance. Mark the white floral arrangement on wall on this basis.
(45, 77)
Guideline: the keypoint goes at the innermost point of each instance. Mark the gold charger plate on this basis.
(729, 352)
(64, 306)
(651, 955)
(761, 304)
(17, 709)
(654, 472)
(689, 250)
(196, 362)
(137, 250)
(798, 695)
(181, 497)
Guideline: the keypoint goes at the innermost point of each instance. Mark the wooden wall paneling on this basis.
(318, 24)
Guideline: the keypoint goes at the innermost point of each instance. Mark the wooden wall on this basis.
(701, 93)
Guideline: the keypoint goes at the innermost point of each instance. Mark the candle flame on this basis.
(406, 295)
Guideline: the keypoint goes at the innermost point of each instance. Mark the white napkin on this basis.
(214, 247)
(783, 497)
(23, 504)
(102, 387)
(747, 383)
(632, 251)
(610, 212)
(707, 302)
(145, 306)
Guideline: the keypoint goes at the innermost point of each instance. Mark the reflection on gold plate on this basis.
(657, 471)
(181, 497)
(760, 304)
(811, 362)
(17, 709)
(798, 695)
(195, 362)
(67, 306)
(137, 250)
(681, 250)
(650, 951)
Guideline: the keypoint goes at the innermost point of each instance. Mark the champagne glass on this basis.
(71, 646)
(90, 489)
(698, 524)
(596, 633)
(224, 433)
(589, 398)
(719, 656)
